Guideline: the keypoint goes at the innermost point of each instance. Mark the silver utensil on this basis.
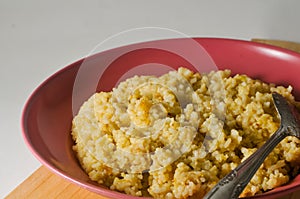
(231, 186)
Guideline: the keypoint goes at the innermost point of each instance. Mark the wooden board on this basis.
(279, 43)
(45, 184)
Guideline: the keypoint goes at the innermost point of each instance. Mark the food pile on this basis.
(177, 135)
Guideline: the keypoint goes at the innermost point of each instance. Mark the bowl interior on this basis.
(49, 111)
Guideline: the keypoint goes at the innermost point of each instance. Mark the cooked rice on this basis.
(177, 135)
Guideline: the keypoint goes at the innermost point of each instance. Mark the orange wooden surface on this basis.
(45, 184)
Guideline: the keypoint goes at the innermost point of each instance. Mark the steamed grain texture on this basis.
(177, 135)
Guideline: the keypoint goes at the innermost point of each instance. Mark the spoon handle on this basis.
(234, 183)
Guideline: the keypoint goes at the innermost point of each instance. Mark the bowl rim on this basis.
(106, 191)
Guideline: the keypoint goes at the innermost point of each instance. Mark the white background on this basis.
(37, 38)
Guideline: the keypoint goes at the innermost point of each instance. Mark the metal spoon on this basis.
(234, 183)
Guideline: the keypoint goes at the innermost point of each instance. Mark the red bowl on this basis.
(47, 116)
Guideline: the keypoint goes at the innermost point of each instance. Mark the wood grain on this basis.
(45, 184)
(294, 46)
